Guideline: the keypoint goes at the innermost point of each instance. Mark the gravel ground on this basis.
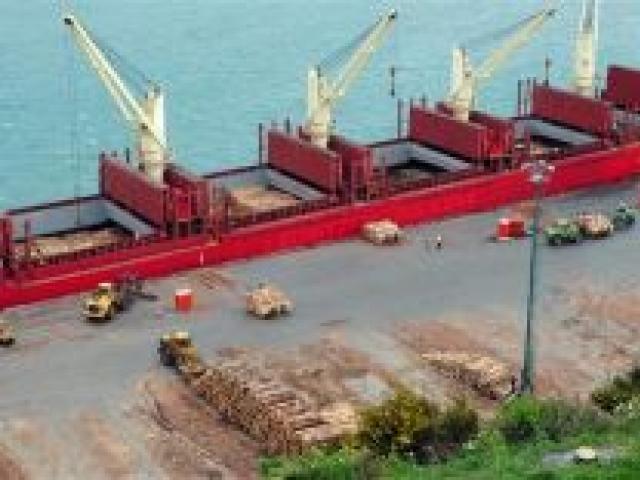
(69, 406)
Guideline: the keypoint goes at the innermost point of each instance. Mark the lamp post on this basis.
(539, 171)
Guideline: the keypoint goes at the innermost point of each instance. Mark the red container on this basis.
(304, 161)
(573, 110)
(623, 87)
(133, 190)
(357, 161)
(184, 300)
(442, 131)
(509, 228)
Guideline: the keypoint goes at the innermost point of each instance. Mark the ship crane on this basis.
(145, 116)
(466, 79)
(323, 93)
(586, 50)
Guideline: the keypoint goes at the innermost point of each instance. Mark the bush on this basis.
(409, 425)
(619, 391)
(394, 426)
(526, 418)
(518, 419)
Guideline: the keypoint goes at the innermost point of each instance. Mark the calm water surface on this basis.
(228, 65)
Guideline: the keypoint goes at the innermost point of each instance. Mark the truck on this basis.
(176, 349)
(624, 217)
(111, 298)
(268, 301)
(563, 232)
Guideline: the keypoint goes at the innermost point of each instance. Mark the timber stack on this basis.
(282, 419)
(488, 376)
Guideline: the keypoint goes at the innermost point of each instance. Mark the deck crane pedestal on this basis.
(586, 50)
(145, 116)
(323, 93)
(465, 79)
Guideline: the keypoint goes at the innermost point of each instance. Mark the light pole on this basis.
(539, 170)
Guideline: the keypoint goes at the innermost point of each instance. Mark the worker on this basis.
(439, 242)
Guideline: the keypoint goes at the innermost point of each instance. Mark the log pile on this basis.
(284, 420)
(383, 232)
(46, 247)
(488, 376)
(255, 199)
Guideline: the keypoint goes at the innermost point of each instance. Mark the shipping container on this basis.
(623, 87)
(357, 161)
(440, 130)
(305, 161)
(572, 110)
(133, 190)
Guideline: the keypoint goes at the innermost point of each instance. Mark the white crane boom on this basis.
(323, 93)
(586, 50)
(146, 116)
(465, 79)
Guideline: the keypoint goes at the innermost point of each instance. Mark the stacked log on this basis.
(383, 232)
(46, 247)
(255, 199)
(284, 420)
(488, 376)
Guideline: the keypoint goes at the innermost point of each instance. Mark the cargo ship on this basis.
(308, 185)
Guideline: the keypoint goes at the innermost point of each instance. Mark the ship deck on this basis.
(88, 384)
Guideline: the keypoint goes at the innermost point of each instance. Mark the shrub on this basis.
(618, 392)
(526, 419)
(559, 419)
(409, 425)
(518, 419)
(394, 426)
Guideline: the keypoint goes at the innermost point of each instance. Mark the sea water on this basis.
(226, 66)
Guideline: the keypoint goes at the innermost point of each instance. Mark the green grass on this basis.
(488, 458)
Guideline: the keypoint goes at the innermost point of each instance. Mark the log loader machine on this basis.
(111, 298)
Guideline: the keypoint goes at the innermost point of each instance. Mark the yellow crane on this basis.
(323, 93)
(465, 79)
(145, 116)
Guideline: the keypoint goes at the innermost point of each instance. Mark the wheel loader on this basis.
(110, 299)
(177, 350)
